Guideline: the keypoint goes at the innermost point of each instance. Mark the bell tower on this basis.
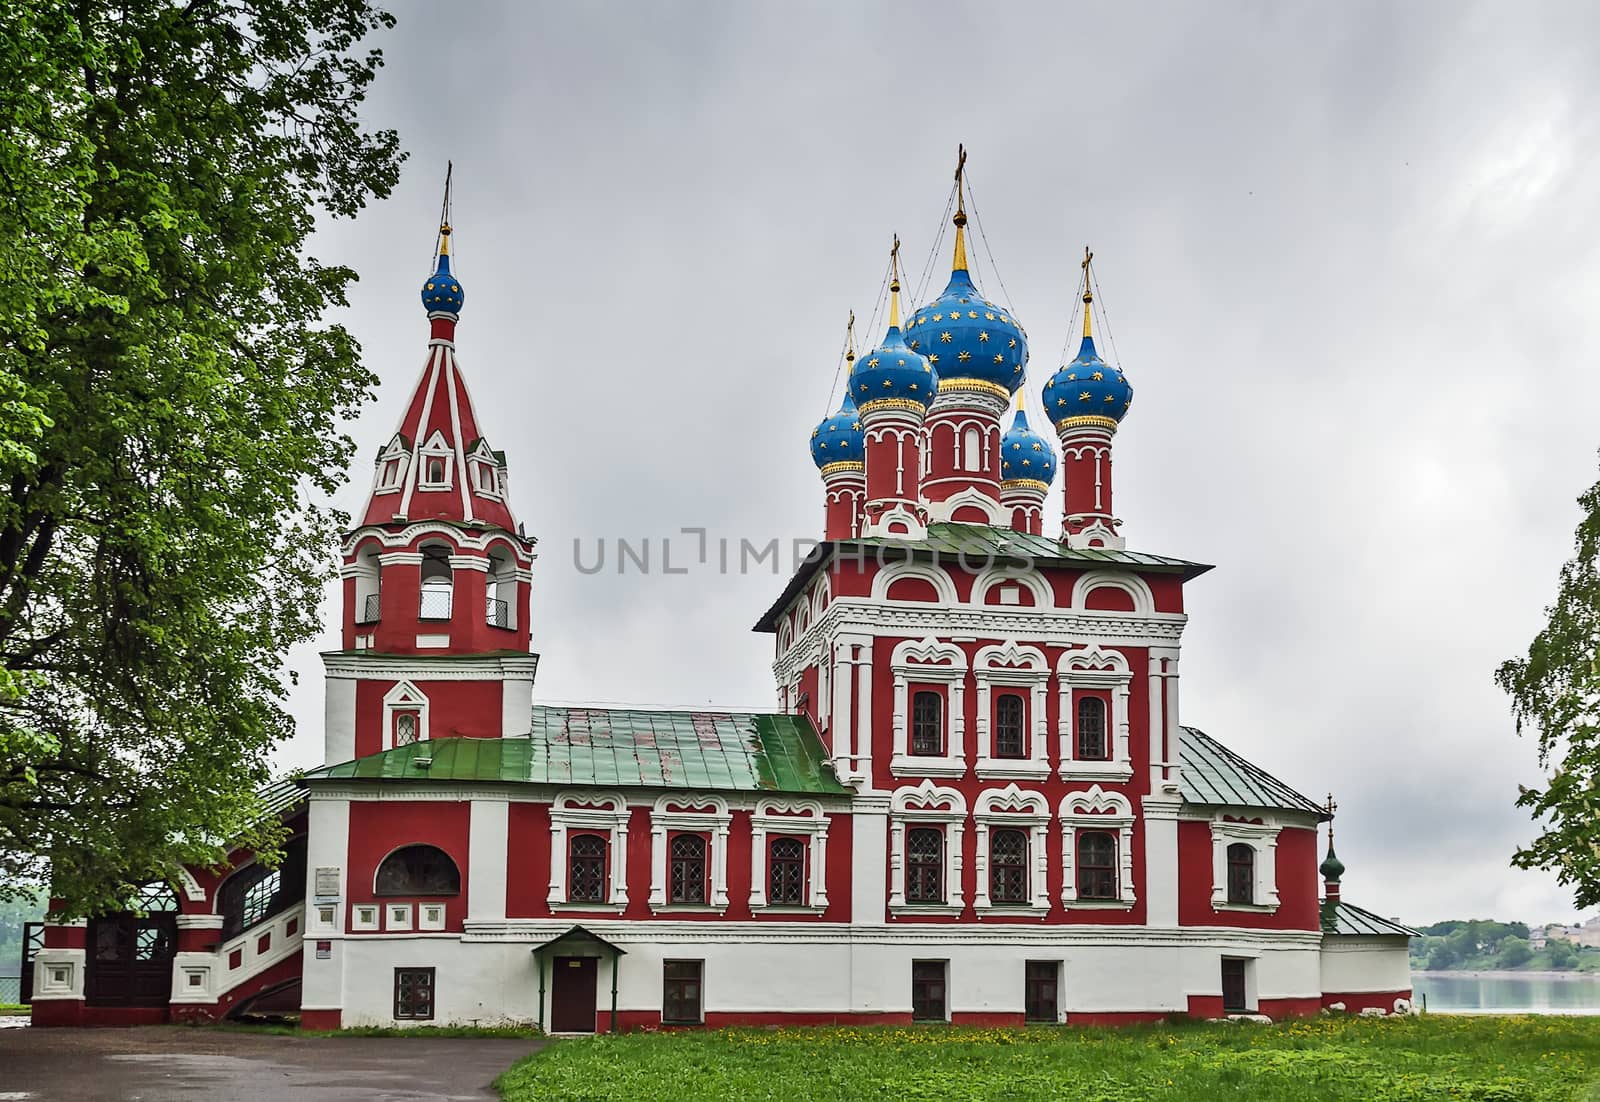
(437, 575)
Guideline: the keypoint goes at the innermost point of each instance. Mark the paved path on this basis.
(181, 1064)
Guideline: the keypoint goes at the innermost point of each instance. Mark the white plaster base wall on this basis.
(1351, 965)
(492, 976)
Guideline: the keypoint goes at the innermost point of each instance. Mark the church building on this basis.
(975, 801)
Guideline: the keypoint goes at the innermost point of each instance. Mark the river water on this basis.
(1508, 992)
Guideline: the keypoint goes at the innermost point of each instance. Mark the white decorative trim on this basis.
(591, 812)
(364, 916)
(396, 917)
(430, 916)
(1094, 668)
(929, 660)
(896, 571)
(944, 510)
(926, 804)
(1012, 665)
(706, 814)
(58, 974)
(1144, 602)
(1096, 809)
(436, 448)
(464, 539)
(1262, 838)
(423, 667)
(1013, 807)
(1097, 535)
(788, 817)
(192, 891)
(404, 697)
(1024, 577)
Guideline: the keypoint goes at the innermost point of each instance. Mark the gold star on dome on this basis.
(1013, 343)
(863, 388)
(945, 337)
(1111, 398)
(965, 356)
(890, 382)
(430, 286)
(999, 358)
(873, 362)
(988, 315)
(902, 363)
(914, 345)
(1005, 319)
(1027, 462)
(1059, 401)
(933, 357)
(813, 434)
(972, 313)
(833, 428)
(966, 300)
(1098, 376)
(1083, 396)
(1038, 447)
(1073, 377)
(823, 446)
(925, 367)
(856, 425)
(938, 317)
(983, 338)
(1014, 447)
(913, 386)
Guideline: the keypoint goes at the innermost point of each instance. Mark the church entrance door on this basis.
(572, 1002)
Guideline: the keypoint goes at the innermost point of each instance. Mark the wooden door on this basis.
(1233, 994)
(572, 999)
(130, 960)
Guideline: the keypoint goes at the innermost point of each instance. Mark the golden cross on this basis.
(850, 339)
(1087, 256)
(1330, 807)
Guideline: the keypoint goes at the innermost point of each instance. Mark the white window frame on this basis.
(1094, 669)
(436, 447)
(404, 697)
(397, 917)
(928, 661)
(1261, 837)
(430, 916)
(481, 459)
(603, 813)
(400, 455)
(1096, 809)
(804, 818)
(1011, 807)
(1012, 666)
(695, 815)
(365, 916)
(927, 804)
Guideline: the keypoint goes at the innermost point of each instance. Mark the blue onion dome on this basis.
(1088, 387)
(971, 342)
(1025, 456)
(893, 375)
(442, 290)
(839, 439)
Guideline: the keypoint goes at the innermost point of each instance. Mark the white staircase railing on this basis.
(207, 977)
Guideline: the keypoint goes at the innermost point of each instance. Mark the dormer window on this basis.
(437, 461)
(392, 466)
(484, 469)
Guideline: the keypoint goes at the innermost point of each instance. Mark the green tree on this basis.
(1555, 692)
(1514, 952)
(1563, 954)
(170, 404)
(1442, 955)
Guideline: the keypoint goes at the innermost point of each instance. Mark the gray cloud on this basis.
(1348, 254)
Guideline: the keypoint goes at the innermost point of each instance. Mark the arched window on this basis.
(435, 474)
(927, 723)
(1092, 743)
(1241, 873)
(972, 450)
(925, 865)
(246, 898)
(786, 872)
(1097, 865)
(418, 870)
(688, 873)
(369, 586)
(501, 609)
(586, 869)
(405, 728)
(1009, 739)
(1008, 866)
(438, 581)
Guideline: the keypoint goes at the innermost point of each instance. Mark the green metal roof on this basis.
(624, 748)
(1213, 774)
(973, 546)
(280, 796)
(1340, 917)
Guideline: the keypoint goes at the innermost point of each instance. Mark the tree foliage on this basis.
(1555, 692)
(170, 404)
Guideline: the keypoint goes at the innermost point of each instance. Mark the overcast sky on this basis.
(1349, 257)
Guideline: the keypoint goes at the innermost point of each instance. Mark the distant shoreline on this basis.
(1506, 973)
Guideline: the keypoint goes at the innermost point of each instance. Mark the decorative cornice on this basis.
(356, 665)
(892, 405)
(1024, 485)
(974, 386)
(1086, 421)
(833, 471)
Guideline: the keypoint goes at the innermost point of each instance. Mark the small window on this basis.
(413, 994)
(586, 869)
(1008, 866)
(1009, 739)
(927, 990)
(1241, 873)
(786, 872)
(418, 870)
(688, 869)
(927, 723)
(1097, 865)
(1041, 1002)
(1092, 744)
(1234, 999)
(405, 728)
(925, 865)
(680, 999)
(972, 450)
(435, 472)
(389, 474)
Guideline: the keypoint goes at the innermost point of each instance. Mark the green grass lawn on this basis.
(1332, 1059)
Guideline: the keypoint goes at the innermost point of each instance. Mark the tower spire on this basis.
(960, 219)
(1088, 293)
(441, 292)
(894, 284)
(849, 347)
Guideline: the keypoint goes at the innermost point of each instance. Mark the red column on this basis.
(845, 491)
(1086, 482)
(894, 469)
(963, 441)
